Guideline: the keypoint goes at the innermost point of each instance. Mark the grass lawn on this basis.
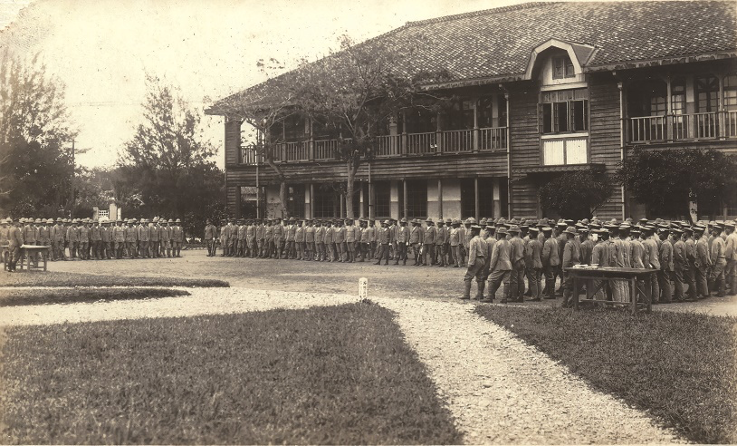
(334, 375)
(62, 279)
(25, 297)
(680, 367)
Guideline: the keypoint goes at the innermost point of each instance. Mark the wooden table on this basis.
(606, 274)
(28, 250)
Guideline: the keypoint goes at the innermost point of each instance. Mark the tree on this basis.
(168, 163)
(576, 194)
(265, 112)
(668, 180)
(354, 91)
(35, 132)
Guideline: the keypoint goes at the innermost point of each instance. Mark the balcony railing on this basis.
(697, 126)
(410, 144)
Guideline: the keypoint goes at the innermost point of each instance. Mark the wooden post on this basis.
(404, 191)
(438, 135)
(403, 142)
(440, 198)
(475, 124)
(476, 197)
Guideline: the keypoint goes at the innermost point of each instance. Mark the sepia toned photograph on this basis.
(539, 201)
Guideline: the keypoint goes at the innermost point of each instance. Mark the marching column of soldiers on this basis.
(523, 257)
(87, 239)
(692, 262)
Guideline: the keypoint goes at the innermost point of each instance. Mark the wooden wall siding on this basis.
(524, 149)
(232, 199)
(604, 135)
(447, 166)
(232, 141)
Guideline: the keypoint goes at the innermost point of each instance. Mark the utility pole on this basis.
(71, 201)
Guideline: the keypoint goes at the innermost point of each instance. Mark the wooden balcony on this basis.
(387, 146)
(707, 126)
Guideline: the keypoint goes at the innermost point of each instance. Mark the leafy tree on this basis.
(168, 163)
(576, 194)
(355, 91)
(668, 180)
(35, 132)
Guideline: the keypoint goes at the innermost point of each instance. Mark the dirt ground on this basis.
(440, 283)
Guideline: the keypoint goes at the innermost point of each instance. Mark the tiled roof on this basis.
(497, 43)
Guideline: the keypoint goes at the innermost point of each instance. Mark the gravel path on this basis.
(499, 390)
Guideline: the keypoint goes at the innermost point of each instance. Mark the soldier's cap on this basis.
(676, 231)
(455, 222)
(580, 225)
(59, 219)
(483, 222)
(610, 226)
(37, 220)
(583, 230)
(643, 220)
(429, 220)
(449, 220)
(699, 228)
(170, 221)
(441, 222)
(624, 228)
(476, 227)
(717, 227)
(490, 229)
(561, 225)
(688, 230)
(569, 222)
(534, 230)
(595, 226)
(404, 220)
(585, 221)
(513, 229)
(502, 230)
(635, 230)
(524, 226)
(547, 229)
(50, 221)
(570, 230)
(471, 220)
(602, 231)
(729, 225)
(386, 222)
(179, 221)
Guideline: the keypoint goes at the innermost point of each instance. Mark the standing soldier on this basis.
(454, 238)
(365, 240)
(730, 255)
(251, 238)
(551, 262)
(517, 257)
(440, 238)
(240, 230)
(84, 239)
(289, 248)
(119, 238)
(637, 258)
(73, 239)
(319, 241)
(384, 238)
(500, 267)
(29, 237)
(415, 240)
(44, 237)
(329, 239)
(339, 235)
(719, 262)
(680, 263)
(533, 264)
(600, 258)
(107, 239)
(652, 250)
(268, 238)
(702, 262)
(177, 237)
(446, 247)
(130, 239)
(210, 233)
(15, 241)
(477, 253)
(373, 244)
(96, 239)
(223, 237)
(689, 274)
(665, 256)
(299, 240)
(428, 242)
(154, 236)
(570, 258)
(350, 240)
(57, 240)
(466, 237)
(4, 234)
(401, 237)
(309, 240)
(144, 237)
(260, 237)
(278, 235)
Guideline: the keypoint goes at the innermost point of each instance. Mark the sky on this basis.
(103, 49)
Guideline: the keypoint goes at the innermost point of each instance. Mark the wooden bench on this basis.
(582, 273)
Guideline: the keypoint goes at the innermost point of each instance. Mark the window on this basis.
(486, 112)
(460, 116)
(565, 111)
(707, 93)
(325, 202)
(296, 200)
(382, 199)
(416, 198)
(294, 128)
(563, 67)
(730, 92)
(251, 199)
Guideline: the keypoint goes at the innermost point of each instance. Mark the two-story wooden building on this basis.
(543, 88)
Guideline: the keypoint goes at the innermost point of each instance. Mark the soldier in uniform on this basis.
(680, 263)
(652, 253)
(289, 231)
(210, 234)
(319, 241)
(95, 239)
(550, 261)
(279, 236)
(384, 238)
(57, 240)
(440, 237)
(533, 264)
(570, 258)
(373, 244)
(364, 240)
(84, 240)
(517, 257)
(455, 243)
(177, 238)
(119, 239)
(299, 240)
(500, 266)
(15, 241)
(477, 253)
(309, 241)
(350, 240)
(401, 237)
(339, 236)
(131, 239)
(107, 240)
(329, 238)
(730, 255)
(719, 262)
(44, 237)
(428, 242)
(702, 262)
(416, 238)
(665, 256)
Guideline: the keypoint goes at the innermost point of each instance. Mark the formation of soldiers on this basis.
(692, 262)
(339, 240)
(87, 239)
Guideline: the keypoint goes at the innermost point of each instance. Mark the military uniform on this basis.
(340, 241)
(477, 254)
(131, 239)
(299, 240)
(402, 236)
(719, 263)
(107, 240)
(319, 241)
(533, 264)
(15, 241)
(500, 266)
(309, 241)
(551, 263)
(177, 238)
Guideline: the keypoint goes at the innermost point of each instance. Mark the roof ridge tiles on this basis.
(482, 12)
